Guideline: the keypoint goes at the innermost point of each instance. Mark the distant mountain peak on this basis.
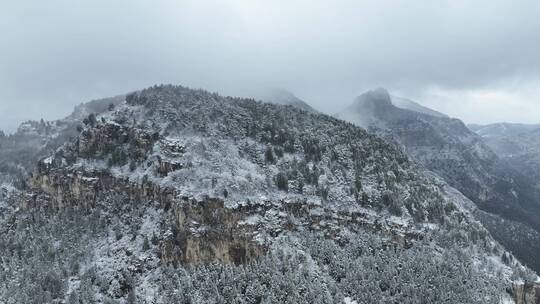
(380, 91)
(381, 100)
(367, 107)
(376, 97)
(285, 97)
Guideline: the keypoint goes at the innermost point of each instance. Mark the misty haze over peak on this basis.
(476, 61)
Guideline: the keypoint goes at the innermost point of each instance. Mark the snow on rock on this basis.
(348, 300)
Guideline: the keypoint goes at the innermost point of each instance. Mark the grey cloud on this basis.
(58, 53)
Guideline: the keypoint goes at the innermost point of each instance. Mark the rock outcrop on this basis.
(526, 293)
(207, 231)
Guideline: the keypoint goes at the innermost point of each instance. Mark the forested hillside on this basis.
(184, 196)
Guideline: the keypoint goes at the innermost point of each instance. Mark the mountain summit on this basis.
(366, 108)
(376, 108)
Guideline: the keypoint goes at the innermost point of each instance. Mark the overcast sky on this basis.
(475, 60)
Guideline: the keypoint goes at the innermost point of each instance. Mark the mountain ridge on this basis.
(447, 147)
(185, 177)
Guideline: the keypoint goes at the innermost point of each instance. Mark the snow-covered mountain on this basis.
(447, 147)
(376, 109)
(184, 196)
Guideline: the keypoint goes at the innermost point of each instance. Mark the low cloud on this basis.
(56, 54)
(510, 100)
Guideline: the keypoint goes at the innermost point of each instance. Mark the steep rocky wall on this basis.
(204, 231)
(105, 138)
(208, 231)
(526, 293)
(198, 231)
(68, 187)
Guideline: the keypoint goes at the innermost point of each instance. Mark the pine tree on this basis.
(146, 244)
(282, 181)
(155, 239)
(269, 155)
(131, 298)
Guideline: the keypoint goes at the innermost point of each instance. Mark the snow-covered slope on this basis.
(184, 196)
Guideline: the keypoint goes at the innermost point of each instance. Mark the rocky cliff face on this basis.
(196, 232)
(526, 293)
(199, 231)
